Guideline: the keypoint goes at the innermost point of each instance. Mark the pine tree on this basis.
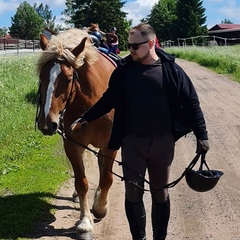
(161, 18)
(3, 31)
(46, 14)
(190, 18)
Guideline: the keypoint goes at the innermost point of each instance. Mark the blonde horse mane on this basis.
(60, 47)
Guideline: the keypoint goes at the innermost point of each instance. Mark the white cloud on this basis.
(138, 9)
(216, 10)
(8, 6)
(12, 5)
(51, 4)
(231, 2)
(231, 13)
(229, 10)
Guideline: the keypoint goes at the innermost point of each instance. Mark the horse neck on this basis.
(93, 78)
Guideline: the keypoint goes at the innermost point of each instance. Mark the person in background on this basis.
(112, 40)
(108, 42)
(148, 91)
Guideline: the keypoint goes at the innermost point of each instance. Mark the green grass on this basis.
(32, 166)
(221, 59)
(123, 53)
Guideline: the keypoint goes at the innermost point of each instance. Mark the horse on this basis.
(73, 75)
(93, 27)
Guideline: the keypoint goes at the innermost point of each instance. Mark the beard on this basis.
(140, 59)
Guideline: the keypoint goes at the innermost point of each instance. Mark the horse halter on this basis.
(61, 123)
(39, 100)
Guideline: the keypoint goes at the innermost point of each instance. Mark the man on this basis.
(155, 104)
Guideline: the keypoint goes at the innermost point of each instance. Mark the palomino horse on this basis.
(93, 27)
(73, 76)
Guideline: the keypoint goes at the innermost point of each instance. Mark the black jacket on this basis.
(185, 106)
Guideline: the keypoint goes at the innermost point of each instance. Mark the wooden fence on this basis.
(202, 41)
(18, 44)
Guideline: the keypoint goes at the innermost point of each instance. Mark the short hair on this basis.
(145, 30)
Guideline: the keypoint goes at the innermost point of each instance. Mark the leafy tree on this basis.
(227, 21)
(46, 14)
(190, 19)
(26, 23)
(3, 32)
(161, 18)
(107, 13)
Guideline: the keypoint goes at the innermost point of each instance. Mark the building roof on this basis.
(224, 26)
(224, 30)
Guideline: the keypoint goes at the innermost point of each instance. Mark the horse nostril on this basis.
(54, 127)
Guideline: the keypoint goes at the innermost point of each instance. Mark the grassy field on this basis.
(32, 166)
(223, 60)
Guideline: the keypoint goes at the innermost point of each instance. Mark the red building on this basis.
(226, 33)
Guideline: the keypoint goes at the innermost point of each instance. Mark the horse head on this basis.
(57, 78)
(93, 27)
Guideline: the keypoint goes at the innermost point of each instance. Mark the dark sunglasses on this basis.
(135, 46)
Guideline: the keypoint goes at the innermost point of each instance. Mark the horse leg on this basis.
(85, 225)
(100, 204)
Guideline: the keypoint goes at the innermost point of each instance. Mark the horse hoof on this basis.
(85, 236)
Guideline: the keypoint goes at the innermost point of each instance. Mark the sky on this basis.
(216, 10)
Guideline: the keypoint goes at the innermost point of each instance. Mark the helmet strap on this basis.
(203, 161)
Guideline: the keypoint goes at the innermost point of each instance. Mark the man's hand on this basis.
(202, 145)
(79, 124)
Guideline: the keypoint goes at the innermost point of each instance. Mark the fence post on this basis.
(33, 45)
(18, 46)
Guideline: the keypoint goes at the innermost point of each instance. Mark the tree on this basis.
(227, 21)
(107, 13)
(161, 18)
(3, 31)
(46, 14)
(190, 19)
(26, 23)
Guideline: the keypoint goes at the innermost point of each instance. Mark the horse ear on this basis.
(50, 31)
(79, 48)
(43, 41)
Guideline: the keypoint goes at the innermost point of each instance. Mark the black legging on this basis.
(142, 153)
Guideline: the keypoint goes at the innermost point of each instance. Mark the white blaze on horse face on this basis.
(55, 71)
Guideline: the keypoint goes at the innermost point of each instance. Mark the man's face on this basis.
(139, 52)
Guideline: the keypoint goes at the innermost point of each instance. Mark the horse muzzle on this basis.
(49, 128)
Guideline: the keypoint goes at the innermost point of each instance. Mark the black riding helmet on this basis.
(202, 180)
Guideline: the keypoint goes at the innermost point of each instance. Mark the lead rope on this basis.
(174, 183)
(97, 154)
(38, 100)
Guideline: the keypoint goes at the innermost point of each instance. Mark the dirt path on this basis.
(214, 215)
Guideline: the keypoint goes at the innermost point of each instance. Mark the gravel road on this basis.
(213, 215)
